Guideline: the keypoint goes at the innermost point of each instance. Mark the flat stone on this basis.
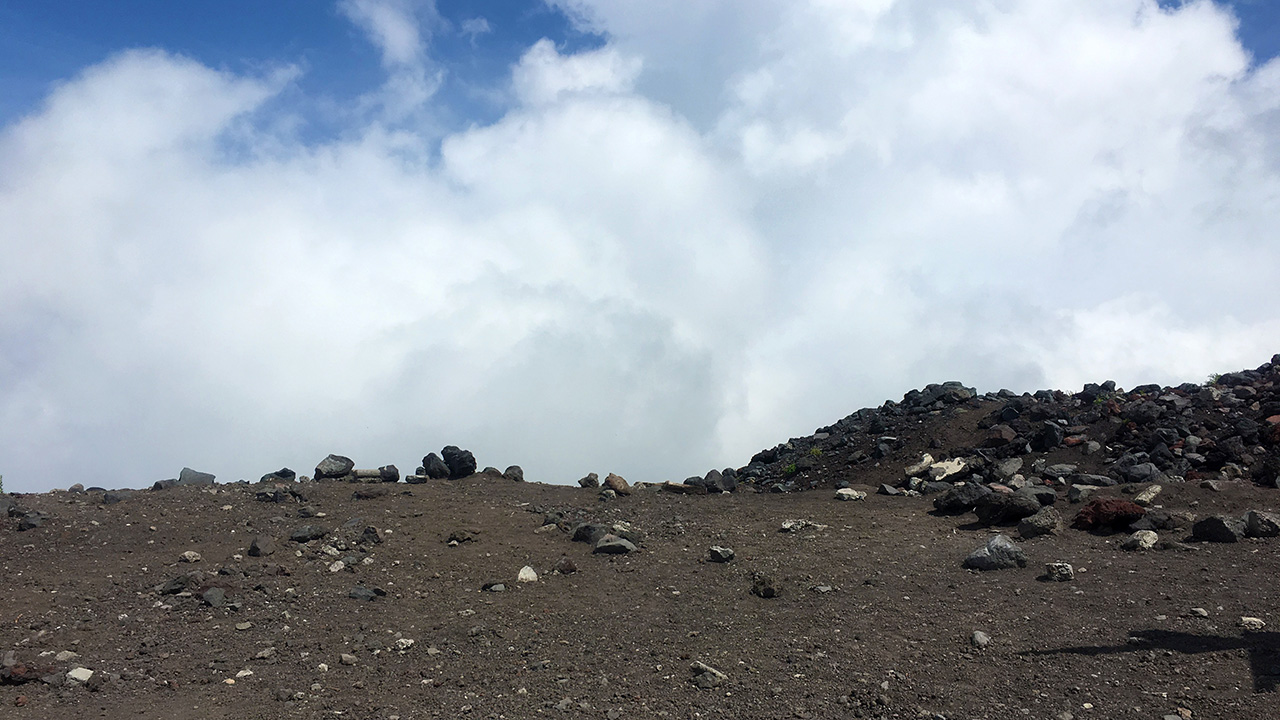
(1147, 496)
(613, 545)
(999, 553)
(720, 554)
(1059, 572)
(79, 674)
(1141, 540)
(850, 494)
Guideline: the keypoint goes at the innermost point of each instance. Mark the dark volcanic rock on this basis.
(514, 473)
(434, 467)
(1219, 528)
(461, 463)
(281, 475)
(996, 508)
(194, 477)
(389, 473)
(307, 533)
(961, 499)
(334, 466)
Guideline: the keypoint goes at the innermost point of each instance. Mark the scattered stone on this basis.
(307, 533)
(1252, 624)
(1046, 521)
(1199, 612)
(461, 463)
(190, 556)
(494, 586)
(763, 586)
(999, 553)
(262, 546)
(705, 676)
(564, 566)
(592, 480)
(720, 554)
(360, 592)
(1259, 524)
(80, 675)
(850, 494)
(214, 597)
(979, 639)
(613, 545)
(1140, 540)
(1059, 572)
(347, 659)
(887, 489)
(1147, 496)
(527, 575)
(1219, 528)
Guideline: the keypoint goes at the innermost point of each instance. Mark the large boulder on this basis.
(194, 477)
(334, 466)
(1219, 528)
(618, 484)
(461, 462)
(281, 475)
(434, 467)
(996, 508)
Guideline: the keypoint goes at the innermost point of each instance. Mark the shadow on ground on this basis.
(1263, 649)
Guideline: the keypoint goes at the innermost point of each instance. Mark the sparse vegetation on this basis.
(815, 452)
(790, 469)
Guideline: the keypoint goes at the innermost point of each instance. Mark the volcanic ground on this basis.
(1102, 553)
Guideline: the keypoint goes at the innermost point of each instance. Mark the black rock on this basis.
(592, 480)
(281, 475)
(361, 592)
(262, 546)
(589, 532)
(111, 497)
(997, 508)
(514, 473)
(961, 499)
(1219, 528)
(461, 463)
(214, 597)
(1048, 437)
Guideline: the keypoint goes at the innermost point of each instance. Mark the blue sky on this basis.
(639, 236)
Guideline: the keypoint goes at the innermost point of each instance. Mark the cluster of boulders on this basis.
(1228, 428)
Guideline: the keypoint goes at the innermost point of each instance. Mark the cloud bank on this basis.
(730, 224)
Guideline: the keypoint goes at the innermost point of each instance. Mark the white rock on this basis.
(244, 673)
(337, 566)
(527, 574)
(1141, 540)
(80, 674)
(849, 494)
(1148, 496)
(926, 461)
(190, 556)
(946, 468)
(403, 644)
(1252, 624)
(66, 656)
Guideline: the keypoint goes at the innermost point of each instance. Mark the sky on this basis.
(645, 237)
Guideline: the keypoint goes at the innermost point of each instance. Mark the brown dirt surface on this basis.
(874, 617)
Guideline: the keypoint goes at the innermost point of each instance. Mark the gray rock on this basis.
(705, 676)
(613, 545)
(1142, 473)
(1219, 528)
(307, 533)
(194, 477)
(434, 467)
(494, 586)
(996, 508)
(999, 553)
(1140, 540)
(720, 554)
(262, 546)
(1059, 572)
(361, 592)
(1080, 493)
(389, 473)
(1059, 470)
(1047, 521)
(461, 462)
(592, 480)
(214, 597)
(334, 466)
(1043, 494)
(961, 499)
(589, 532)
(111, 497)
(979, 639)
(514, 473)
(1261, 524)
(1007, 468)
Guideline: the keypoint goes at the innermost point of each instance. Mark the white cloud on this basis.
(732, 223)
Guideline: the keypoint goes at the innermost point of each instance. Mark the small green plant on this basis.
(815, 452)
(1213, 379)
(789, 470)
